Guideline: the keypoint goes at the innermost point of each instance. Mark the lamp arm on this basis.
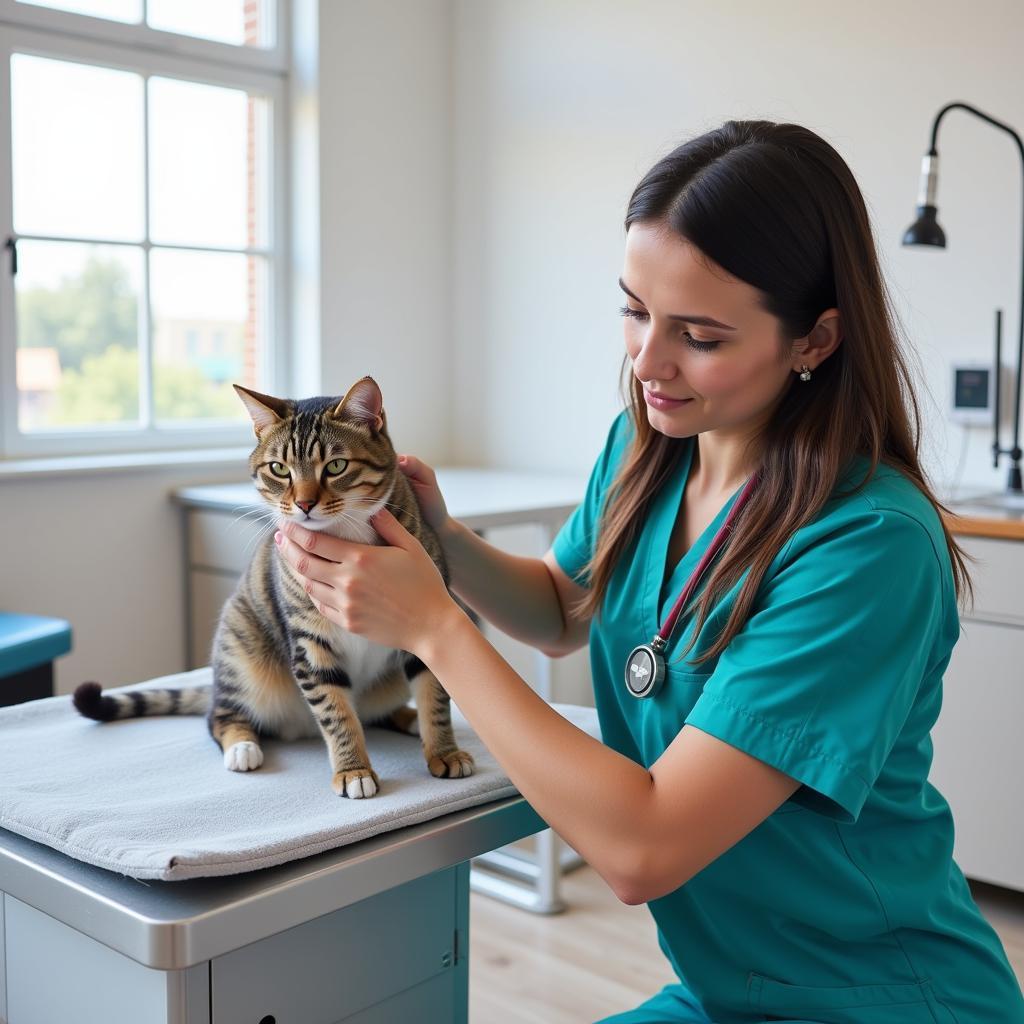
(1015, 453)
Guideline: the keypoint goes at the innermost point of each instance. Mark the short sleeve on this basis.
(820, 680)
(573, 545)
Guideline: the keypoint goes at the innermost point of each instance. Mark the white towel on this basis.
(150, 797)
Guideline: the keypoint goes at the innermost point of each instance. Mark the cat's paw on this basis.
(457, 765)
(243, 757)
(357, 784)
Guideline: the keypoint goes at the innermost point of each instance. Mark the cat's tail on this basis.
(91, 701)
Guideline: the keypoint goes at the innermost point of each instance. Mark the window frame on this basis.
(149, 52)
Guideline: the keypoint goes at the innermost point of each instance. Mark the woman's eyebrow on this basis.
(705, 321)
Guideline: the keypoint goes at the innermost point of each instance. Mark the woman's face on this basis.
(728, 375)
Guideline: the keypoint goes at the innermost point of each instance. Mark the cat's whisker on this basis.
(259, 510)
(262, 528)
(258, 538)
(256, 518)
(370, 501)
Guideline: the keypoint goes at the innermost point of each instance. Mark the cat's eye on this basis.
(279, 469)
(337, 466)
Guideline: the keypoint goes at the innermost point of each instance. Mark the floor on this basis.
(531, 969)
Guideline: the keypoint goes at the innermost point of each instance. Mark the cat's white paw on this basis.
(243, 757)
(357, 785)
(361, 787)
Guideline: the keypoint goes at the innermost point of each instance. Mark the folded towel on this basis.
(150, 797)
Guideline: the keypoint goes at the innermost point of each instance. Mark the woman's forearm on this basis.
(594, 797)
(513, 593)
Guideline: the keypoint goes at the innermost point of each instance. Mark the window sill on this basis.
(65, 465)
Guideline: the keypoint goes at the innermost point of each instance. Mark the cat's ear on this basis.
(264, 410)
(363, 402)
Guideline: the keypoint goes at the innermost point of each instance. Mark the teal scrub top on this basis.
(845, 905)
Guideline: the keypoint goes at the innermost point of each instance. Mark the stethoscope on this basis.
(645, 667)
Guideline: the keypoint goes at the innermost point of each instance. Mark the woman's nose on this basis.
(654, 360)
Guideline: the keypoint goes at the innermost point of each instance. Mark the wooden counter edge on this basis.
(982, 526)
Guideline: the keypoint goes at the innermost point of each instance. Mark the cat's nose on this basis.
(306, 505)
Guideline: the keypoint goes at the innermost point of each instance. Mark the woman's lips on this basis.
(664, 403)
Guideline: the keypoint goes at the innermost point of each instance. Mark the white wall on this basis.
(560, 108)
(385, 235)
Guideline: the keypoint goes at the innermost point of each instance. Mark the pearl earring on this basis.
(805, 372)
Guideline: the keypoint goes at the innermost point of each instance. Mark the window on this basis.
(144, 268)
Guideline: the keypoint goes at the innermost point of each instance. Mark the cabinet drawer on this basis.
(996, 575)
(217, 540)
(338, 965)
(978, 759)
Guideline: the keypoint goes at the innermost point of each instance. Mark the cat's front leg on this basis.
(433, 708)
(328, 692)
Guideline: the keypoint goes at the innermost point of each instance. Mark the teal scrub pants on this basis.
(674, 1004)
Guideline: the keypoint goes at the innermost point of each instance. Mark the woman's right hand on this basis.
(428, 494)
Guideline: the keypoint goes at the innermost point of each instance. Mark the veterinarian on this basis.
(770, 597)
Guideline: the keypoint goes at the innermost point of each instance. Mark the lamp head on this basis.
(925, 230)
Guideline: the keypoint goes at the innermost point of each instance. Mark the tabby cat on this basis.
(280, 669)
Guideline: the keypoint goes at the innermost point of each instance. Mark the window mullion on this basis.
(144, 244)
(8, 328)
(146, 318)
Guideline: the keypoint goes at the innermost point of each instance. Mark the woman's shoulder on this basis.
(885, 510)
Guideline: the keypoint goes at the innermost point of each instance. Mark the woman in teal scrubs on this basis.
(770, 801)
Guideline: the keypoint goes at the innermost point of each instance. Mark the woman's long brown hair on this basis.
(777, 207)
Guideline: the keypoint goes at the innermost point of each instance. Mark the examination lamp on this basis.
(926, 231)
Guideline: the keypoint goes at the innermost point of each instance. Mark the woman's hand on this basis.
(428, 494)
(391, 595)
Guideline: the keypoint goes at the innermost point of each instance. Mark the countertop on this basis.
(989, 514)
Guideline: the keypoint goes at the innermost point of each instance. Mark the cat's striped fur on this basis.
(279, 667)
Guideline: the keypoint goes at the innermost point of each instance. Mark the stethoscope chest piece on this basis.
(645, 666)
(645, 671)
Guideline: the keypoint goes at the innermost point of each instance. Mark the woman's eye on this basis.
(279, 469)
(337, 466)
(694, 343)
(636, 314)
(700, 346)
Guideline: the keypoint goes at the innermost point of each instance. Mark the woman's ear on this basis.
(822, 340)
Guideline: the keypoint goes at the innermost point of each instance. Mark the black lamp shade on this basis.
(925, 230)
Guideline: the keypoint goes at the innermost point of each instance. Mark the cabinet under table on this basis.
(376, 932)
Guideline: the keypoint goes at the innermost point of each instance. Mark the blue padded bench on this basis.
(28, 645)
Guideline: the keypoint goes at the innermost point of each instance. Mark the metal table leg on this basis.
(511, 875)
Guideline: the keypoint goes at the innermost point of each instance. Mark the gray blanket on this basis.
(150, 797)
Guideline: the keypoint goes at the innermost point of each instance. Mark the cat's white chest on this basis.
(363, 660)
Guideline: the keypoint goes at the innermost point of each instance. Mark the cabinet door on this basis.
(978, 762)
(345, 962)
(209, 591)
(58, 975)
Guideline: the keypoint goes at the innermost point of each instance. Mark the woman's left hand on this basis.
(391, 595)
